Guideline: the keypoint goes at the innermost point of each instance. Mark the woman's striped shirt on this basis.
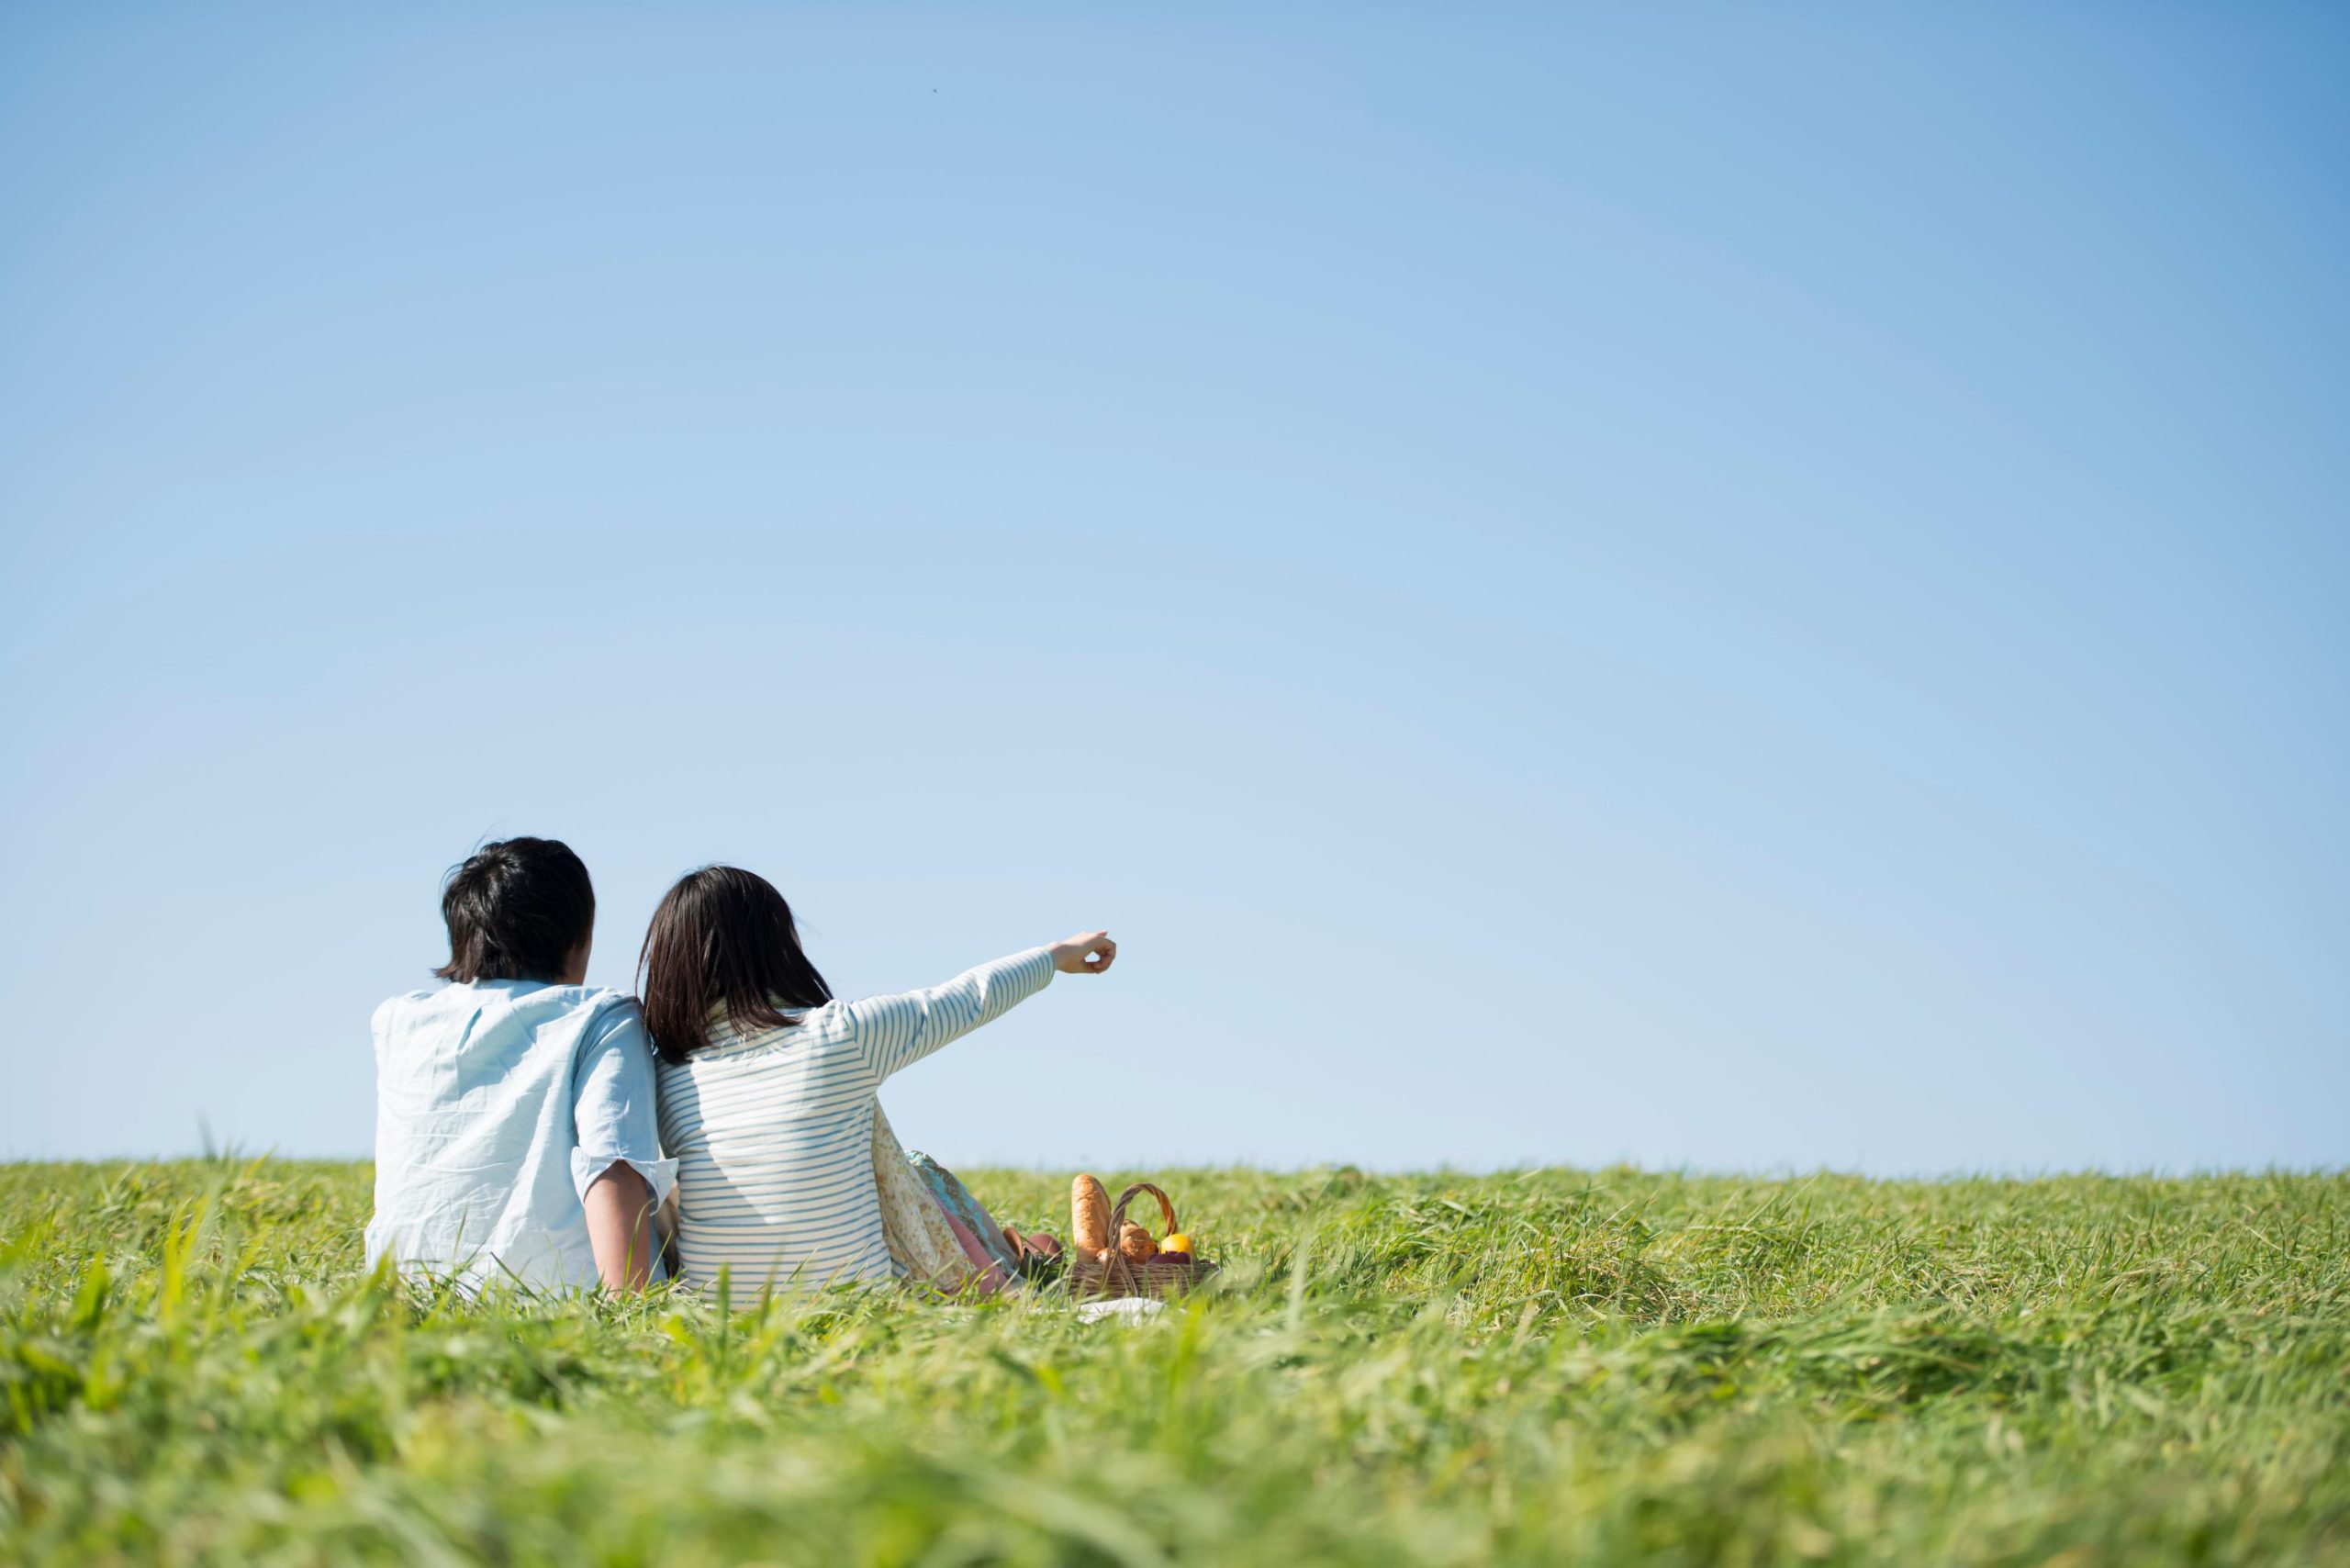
(773, 1132)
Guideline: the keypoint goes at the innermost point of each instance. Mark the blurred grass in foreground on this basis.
(1612, 1366)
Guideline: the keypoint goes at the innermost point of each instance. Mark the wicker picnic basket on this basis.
(1096, 1277)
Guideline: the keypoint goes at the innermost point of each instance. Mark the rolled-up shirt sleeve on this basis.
(613, 1105)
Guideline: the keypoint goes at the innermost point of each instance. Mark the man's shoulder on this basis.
(585, 998)
(565, 1001)
(597, 1009)
(602, 999)
(534, 1008)
(392, 1006)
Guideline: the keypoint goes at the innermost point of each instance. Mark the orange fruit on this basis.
(1179, 1242)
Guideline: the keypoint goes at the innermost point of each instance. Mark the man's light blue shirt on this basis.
(496, 1104)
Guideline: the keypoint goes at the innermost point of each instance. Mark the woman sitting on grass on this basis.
(768, 1084)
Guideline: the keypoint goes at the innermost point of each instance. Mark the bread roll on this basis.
(1088, 1214)
(1135, 1243)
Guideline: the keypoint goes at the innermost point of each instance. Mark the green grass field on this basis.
(1610, 1367)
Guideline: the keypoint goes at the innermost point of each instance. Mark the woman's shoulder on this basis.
(811, 1029)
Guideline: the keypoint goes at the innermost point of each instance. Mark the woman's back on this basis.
(773, 1138)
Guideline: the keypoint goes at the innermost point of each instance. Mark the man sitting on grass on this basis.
(515, 1129)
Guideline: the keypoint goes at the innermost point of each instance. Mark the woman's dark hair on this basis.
(723, 938)
(517, 910)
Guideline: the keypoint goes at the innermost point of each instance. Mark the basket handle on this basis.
(1118, 1214)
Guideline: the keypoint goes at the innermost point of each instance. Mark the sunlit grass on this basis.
(1609, 1366)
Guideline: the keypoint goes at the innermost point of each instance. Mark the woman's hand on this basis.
(1088, 955)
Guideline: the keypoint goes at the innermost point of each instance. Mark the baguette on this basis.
(1088, 1214)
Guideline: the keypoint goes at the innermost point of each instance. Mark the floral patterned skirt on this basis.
(928, 1242)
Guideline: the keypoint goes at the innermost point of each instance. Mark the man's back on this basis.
(497, 1103)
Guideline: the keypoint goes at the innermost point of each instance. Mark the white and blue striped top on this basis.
(773, 1132)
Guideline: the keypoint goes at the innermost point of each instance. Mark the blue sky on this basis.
(1673, 583)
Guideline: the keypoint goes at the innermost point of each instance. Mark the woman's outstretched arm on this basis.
(897, 1031)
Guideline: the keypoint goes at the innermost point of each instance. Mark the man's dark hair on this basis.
(517, 910)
